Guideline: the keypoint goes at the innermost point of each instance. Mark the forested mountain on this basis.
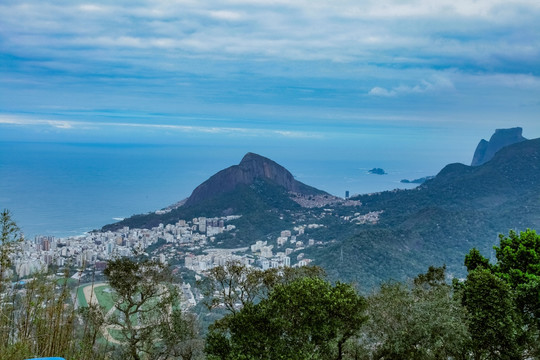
(434, 224)
(441, 220)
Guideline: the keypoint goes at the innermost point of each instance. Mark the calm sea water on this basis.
(63, 188)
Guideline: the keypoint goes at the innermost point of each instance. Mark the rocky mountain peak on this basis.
(500, 139)
(253, 157)
(251, 168)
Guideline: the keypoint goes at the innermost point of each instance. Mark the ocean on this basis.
(63, 188)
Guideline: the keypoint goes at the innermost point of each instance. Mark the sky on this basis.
(111, 108)
(153, 71)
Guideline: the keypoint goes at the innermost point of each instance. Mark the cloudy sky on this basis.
(300, 68)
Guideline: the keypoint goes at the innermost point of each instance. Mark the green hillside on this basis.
(264, 206)
(441, 220)
(434, 224)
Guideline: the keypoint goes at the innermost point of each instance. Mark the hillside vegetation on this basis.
(292, 313)
(436, 223)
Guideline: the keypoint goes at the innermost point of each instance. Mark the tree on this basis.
(424, 321)
(180, 334)
(518, 267)
(474, 260)
(306, 318)
(94, 319)
(234, 285)
(146, 308)
(42, 321)
(518, 263)
(37, 315)
(493, 323)
(9, 240)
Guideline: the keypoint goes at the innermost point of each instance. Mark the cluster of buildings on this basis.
(190, 244)
(187, 243)
(321, 200)
(371, 217)
(96, 248)
(180, 241)
(259, 254)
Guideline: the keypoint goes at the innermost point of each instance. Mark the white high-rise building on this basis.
(202, 224)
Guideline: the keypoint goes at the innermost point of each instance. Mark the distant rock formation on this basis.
(502, 138)
(251, 167)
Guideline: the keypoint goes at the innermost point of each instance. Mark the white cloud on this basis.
(227, 15)
(297, 134)
(61, 124)
(379, 91)
(436, 84)
(521, 81)
(299, 30)
(215, 57)
(85, 125)
(93, 8)
(26, 121)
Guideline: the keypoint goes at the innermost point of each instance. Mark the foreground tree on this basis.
(513, 283)
(236, 285)
(43, 322)
(424, 321)
(492, 319)
(147, 309)
(306, 318)
(9, 239)
(518, 263)
(93, 317)
(180, 335)
(9, 236)
(36, 316)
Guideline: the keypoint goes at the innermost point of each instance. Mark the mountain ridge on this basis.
(438, 222)
(435, 223)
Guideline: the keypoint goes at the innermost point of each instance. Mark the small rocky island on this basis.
(417, 181)
(377, 171)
